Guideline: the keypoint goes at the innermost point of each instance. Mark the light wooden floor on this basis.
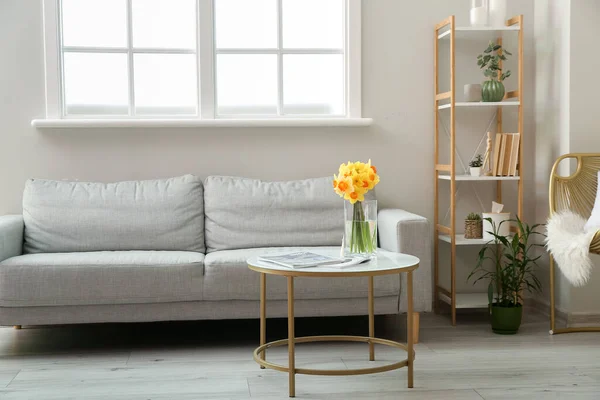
(212, 360)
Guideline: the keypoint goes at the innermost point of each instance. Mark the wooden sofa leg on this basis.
(416, 319)
(17, 326)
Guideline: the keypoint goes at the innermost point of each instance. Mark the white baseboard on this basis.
(563, 317)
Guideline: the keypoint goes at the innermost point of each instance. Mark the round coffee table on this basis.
(385, 263)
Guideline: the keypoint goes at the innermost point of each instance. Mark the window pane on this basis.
(96, 83)
(247, 84)
(94, 23)
(165, 84)
(246, 23)
(313, 24)
(164, 23)
(313, 84)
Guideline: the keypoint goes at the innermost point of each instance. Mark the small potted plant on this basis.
(473, 226)
(493, 89)
(476, 165)
(508, 263)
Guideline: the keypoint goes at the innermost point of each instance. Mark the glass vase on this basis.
(360, 232)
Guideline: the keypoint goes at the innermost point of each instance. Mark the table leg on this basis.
(371, 320)
(291, 337)
(409, 327)
(263, 315)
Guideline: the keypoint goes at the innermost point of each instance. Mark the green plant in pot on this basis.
(508, 263)
(493, 89)
(475, 165)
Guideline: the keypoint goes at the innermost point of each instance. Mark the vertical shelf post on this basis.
(521, 174)
(436, 161)
(438, 167)
(453, 168)
(499, 130)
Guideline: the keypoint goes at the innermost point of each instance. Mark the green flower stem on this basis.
(360, 240)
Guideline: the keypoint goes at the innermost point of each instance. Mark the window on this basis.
(202, 59)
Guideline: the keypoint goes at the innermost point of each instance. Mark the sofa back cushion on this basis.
(245, 213)
(166, 214)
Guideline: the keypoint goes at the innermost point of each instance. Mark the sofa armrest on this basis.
(404, 232)
(11, 236)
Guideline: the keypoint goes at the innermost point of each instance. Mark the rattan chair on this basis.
(578, 194)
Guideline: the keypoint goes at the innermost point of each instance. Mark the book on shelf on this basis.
(307, 259)
(496, 154)
(507, 151)
(506, 154)
(501, 155)
(514, 156)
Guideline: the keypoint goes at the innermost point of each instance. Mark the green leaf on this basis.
(507, 52)
(497, 47)
(488, 50)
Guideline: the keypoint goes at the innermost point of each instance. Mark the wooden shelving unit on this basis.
(446, 31)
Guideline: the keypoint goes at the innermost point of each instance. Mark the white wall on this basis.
(583, 122)
(552, 91)
(397, 94)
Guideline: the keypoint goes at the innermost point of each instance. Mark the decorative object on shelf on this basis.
(475, 165)
(487, 165)
(353, 181)
(512, 273)
(497, 13)
(479, 13)
(473, 226)
(473, 92)
(493, 90)
(498, 218)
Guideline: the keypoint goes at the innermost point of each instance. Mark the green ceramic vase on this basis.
(492, 91)
(506, 320)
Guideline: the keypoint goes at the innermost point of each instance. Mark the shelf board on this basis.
(480, 178)
(481, 104)
(461, 241)
(467, 300)
(465, 30)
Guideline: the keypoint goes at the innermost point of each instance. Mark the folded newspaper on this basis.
(306, 259)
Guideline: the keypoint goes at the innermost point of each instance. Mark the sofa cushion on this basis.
(246, 213)
(162, 214)
(227, 277)
(119, 277)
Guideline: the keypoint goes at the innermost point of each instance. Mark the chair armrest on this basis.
(11, 236)
(404, 232)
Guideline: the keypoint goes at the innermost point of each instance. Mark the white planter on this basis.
(472, 92)
(497, 13)
(497, 218)
(475, 171)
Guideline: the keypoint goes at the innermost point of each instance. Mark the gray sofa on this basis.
(175, 249)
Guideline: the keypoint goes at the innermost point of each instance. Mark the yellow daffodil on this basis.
(354, 180)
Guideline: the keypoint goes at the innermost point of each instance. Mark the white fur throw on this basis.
(569, 244)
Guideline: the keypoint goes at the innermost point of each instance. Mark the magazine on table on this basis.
(307, 259)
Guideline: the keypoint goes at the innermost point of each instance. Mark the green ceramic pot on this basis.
(492, 91)
(506, 320)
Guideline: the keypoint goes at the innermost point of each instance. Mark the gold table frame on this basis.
(260, 352)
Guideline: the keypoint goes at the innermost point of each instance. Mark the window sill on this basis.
(201, 123)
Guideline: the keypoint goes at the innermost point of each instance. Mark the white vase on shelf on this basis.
(479, 13)
(497, 13)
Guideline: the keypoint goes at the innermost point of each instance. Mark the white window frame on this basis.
(206, 58)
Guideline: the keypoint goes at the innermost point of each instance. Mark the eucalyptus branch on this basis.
(491, 59)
